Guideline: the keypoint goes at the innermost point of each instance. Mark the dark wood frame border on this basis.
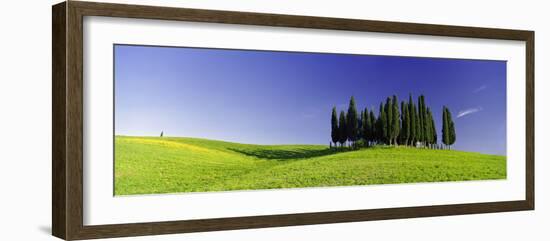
(67, 123)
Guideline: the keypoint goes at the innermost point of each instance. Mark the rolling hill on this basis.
(148, 165)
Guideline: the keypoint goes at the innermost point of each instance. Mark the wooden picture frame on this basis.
(67, 123)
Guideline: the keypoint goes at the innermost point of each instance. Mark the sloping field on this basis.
(147, 165)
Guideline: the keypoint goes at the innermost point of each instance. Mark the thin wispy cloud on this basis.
(479, 89)
(469, 111)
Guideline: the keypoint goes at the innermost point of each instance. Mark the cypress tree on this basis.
(363, 123)
(422, 115)
(420, 136)
(342, 129)
(433, 130)
(396, 126)
(412, 117)
(383, 123)
(429, 122)
(360, 125)
(389, 120)
(417, 124)
(426, 126)
(405, 123)
(419, 128)
(352, 121)
(401, 136)
(373, 128)
(378, 126)
(452, 133)
(367, 126)
(445, 138)
(334, 126)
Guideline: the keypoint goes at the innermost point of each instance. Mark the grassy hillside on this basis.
(145, 165)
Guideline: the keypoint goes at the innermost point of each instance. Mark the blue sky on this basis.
(268, 97)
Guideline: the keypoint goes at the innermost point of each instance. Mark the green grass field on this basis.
(147, 165)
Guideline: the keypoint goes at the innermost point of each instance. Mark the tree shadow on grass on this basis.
(274, 154)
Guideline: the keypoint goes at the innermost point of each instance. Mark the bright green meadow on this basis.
(147, 165)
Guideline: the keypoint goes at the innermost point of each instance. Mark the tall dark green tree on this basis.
(378, 126)
(373, 128)
(417, 128)
(422, 120)
(366, 131)
(400, 138)
(334, 126)
(419, 131)
(383, 123)
(396, 124)
(342, 128)
(351, 122)
(429, 134)
(452, 133)
(360, 125)
(433, 130)
(412, 116)
(405, 123)
(389, 120)
(445, 129)
(427, 129)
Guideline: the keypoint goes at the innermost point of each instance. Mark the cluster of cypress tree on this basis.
(406, 123)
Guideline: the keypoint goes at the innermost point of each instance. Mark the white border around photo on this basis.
(101, 207)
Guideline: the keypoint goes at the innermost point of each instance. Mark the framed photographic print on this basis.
(171, 120)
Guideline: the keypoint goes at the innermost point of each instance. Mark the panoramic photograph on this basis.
(192, 119)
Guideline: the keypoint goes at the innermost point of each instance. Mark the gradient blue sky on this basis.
(267, 97)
